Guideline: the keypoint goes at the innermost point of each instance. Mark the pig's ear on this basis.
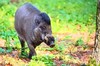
(45, 18)
(37, 19)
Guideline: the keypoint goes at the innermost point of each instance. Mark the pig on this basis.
(33, 27)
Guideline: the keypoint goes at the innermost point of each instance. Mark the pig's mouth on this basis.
(52, 46)
(49, 41)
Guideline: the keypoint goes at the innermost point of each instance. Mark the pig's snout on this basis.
(49, 40)
(52, 44)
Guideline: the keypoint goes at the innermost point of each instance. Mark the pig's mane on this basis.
(46, 18)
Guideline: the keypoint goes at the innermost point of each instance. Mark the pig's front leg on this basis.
(31, 50)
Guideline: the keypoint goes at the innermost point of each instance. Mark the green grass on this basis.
(45, 60)
(64, 14)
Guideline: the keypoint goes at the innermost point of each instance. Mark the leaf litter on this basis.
(71, 55)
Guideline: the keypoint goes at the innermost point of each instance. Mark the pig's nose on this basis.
(52, 44)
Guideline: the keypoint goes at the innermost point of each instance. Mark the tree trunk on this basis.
(96, 51)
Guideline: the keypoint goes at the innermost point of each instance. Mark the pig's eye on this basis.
(43, 27)
(37, 22)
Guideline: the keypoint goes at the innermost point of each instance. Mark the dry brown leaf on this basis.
(2, 42)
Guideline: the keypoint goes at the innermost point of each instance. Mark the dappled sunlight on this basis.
(73, 27)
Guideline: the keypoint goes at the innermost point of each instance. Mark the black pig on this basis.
(34, 27)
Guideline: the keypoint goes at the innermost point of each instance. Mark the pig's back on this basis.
(25, 14)
(23, 18)
(26, 10)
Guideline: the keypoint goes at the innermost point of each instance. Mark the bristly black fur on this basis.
(32, 27)
(46, 18)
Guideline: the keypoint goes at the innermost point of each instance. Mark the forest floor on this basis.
(79, 54)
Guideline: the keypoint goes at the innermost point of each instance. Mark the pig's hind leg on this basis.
(22, 42)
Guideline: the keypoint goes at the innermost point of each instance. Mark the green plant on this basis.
(92, 62)
(4, 2)
(64, 65)
(2, 50)
(58, 47)
(36, 63)
(79, 42)
(5, 50)
(45, 60)
(23, 55)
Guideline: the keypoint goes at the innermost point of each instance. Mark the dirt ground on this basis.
(13, 59)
